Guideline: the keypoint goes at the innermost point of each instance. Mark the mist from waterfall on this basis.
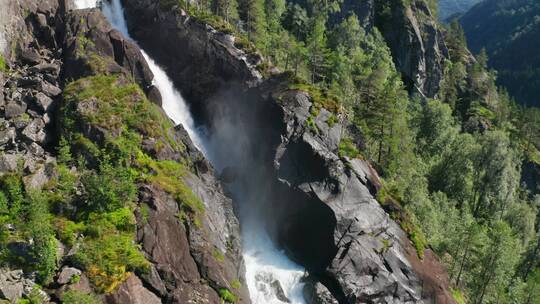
(265, 263)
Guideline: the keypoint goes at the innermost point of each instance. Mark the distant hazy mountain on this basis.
(448, 8)
(510, 32)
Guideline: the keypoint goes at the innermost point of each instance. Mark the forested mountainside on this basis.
(454, 8)
(510, 33)
(377, 151)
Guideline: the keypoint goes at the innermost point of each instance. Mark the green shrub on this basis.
(458, 296)
(44, 247)
(227, 296)
(109, 189)
(123, 219)
(236, 284)
(109, 258)
(332, 120)
(75, 279)
(348, 148)
(218, 255)
(3, 65)
(67, 230)
(79, 297)
(168, 175)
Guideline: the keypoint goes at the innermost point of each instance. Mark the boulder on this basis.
(37, 179)
(316, 293)
(132, 291)
(8, 162)
(44, 67)
(13, 286)
(50, 89)
(66, 274)
(266, 281)
(7, 136)
(35, 131)
(14, 109)
(36, 150)
(42, 101)
(30, 56)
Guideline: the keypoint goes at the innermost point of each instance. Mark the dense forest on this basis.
(453, 162)
(510, 33)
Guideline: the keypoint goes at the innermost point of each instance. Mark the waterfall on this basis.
(80, 4)
(271, 277)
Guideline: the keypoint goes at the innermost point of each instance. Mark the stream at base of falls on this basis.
(265, 263)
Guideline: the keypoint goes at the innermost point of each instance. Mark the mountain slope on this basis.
(449, 8)
(510, 33)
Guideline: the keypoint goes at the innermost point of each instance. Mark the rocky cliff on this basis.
(322, 206)
(418, 48)
(56, 59)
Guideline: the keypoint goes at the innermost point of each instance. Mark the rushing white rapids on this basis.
(80, 4)
(271, 277)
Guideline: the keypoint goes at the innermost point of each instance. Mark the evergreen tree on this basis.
(497, 264)
(253, 14)
(228, 9)
(317, 51)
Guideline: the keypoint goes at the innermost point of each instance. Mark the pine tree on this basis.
(228, 9)
(317, 50)
(253, 15)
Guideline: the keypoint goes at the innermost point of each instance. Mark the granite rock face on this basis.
(417, 45)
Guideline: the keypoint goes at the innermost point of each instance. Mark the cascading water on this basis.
(265, 264)
(80, 4)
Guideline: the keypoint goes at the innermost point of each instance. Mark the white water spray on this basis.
(81, 4)
(271, 277)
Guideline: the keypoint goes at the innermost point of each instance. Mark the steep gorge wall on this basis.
(323, 206)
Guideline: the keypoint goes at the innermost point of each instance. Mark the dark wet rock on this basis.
(266, 282)
(50, 89)
(44, 67)
(30, 56)
(316, 293)
(43, 101)
(154, 282)
(228, 175)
